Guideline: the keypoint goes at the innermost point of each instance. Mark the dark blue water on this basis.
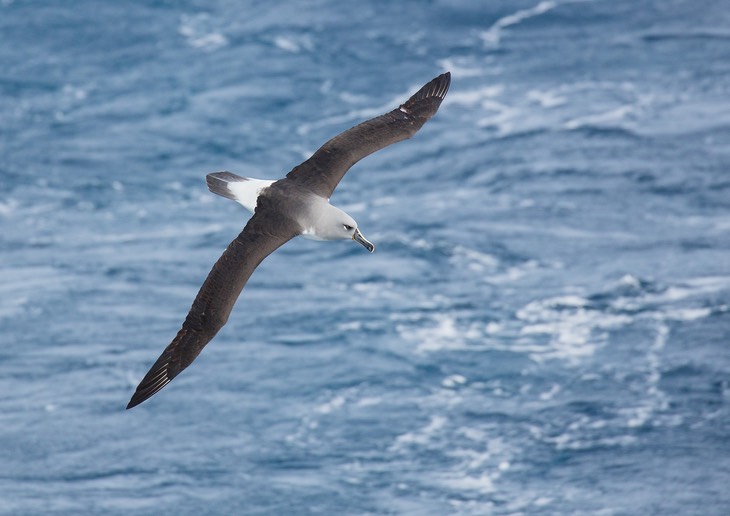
(543, 329)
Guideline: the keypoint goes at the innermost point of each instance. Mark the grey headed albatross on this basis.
(297, 205)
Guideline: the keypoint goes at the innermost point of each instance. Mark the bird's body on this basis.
(297, 205)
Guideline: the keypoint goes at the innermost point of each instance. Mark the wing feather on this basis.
(322, 172)
(214, 302)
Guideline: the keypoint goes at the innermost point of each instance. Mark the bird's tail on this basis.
(218, 183)
(244, 190)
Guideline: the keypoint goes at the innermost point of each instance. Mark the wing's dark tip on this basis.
(159, 375)
(155, 380)
(426, 101)
(436, 88)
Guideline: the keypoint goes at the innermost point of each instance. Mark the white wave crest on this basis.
(493, 35)
(199, 32)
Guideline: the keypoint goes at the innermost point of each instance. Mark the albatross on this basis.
(297, 205)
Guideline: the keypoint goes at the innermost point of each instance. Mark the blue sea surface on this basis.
(544, 327)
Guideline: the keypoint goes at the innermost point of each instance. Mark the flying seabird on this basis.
(297, 205)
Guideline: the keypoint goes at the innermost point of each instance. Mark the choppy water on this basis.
(544, 328)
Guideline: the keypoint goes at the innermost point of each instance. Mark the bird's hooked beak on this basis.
(357, 237)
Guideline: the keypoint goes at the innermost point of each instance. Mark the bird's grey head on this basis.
(335, 224)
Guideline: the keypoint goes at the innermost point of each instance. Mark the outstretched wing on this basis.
(323, 171)
(262, 236)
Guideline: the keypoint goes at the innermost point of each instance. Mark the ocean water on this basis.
(543, 329)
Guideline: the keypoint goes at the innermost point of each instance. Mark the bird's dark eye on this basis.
(347, 227)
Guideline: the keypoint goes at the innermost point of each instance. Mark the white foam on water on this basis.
(474, 260)
(335, 403)
(687, 314)
(9, 206)
(72, 95)
(200, 32)
(571, 106)
(575, 329)
(504, 118)
(659, 304)
(566, 107)
(444, 335)
(287, 44)
(483, 483)
(422, 436)
(546, 99)
(350, 326)
(583, 433)
(630, 281)
(479, 461)
(513, 273)
(574, 441)
(480, 467)
(453, 381)
(477, 97)
(610, 118)
(550, 394)
(369, 401)
(493, 35)
(293, 43)
(439, 332)
(654, 400)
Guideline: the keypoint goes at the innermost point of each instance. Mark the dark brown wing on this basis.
(323, 171)
(262, 236)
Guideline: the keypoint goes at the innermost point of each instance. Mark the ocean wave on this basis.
(492, 36)
(202, 31)
(668, 35)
